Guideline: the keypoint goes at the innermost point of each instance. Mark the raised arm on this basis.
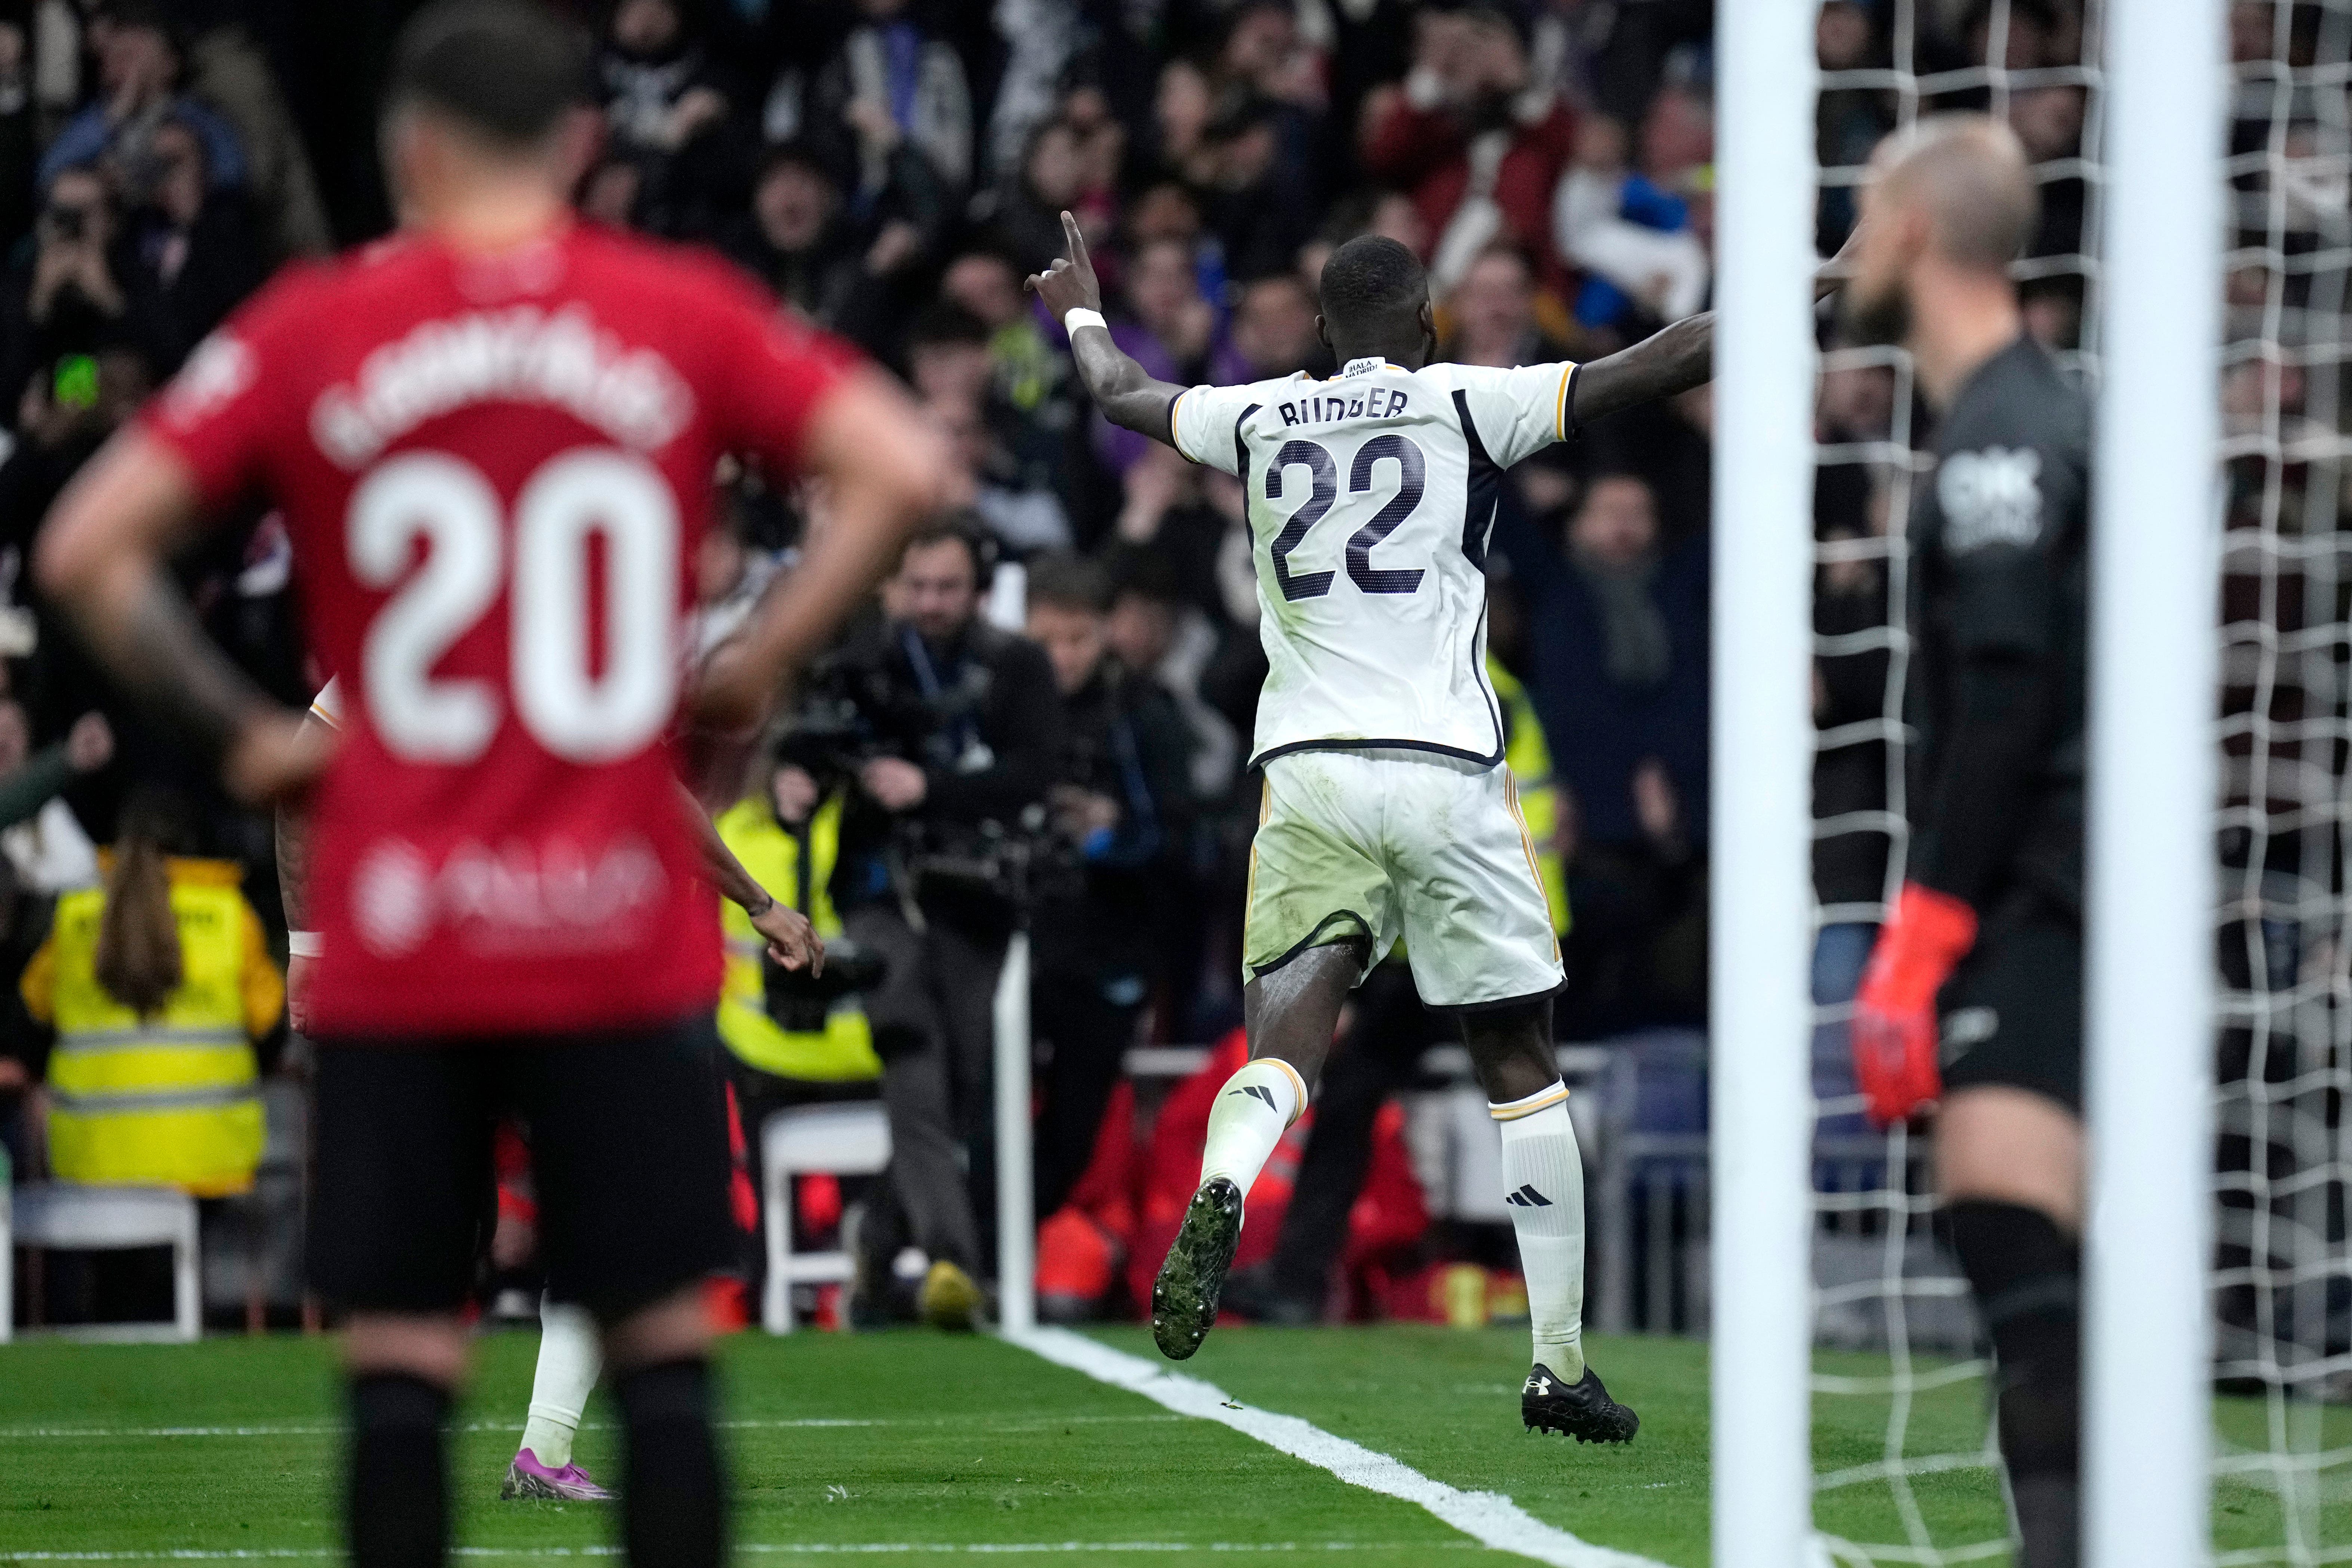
(1122, 389)
(1673, 361)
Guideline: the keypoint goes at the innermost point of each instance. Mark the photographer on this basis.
(1120, 811)
(964, 731)
(793, 1037)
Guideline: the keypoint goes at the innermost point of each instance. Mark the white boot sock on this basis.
(1253, 1110)
(1543, 1184)
(569, 1361)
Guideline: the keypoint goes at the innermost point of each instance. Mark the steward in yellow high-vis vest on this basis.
(165, 1094)
(1528, 757)
(795, 864)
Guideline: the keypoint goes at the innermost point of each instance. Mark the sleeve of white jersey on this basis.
(1203, 421)
(1517, 412)
(327, 706)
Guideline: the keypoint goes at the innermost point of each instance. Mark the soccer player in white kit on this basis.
(1387, 812)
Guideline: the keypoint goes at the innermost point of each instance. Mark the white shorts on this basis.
(1382, 844)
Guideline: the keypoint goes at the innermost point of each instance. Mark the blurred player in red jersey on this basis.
(492, 437)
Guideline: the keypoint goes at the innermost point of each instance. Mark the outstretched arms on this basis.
(1666, 362)
(1122, 389)
(1672, 362)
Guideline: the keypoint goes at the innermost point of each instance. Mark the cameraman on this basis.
(1120, 809)
(969, 729)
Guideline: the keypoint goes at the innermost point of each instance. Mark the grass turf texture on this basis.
(942, 1442)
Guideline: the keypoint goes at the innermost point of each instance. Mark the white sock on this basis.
(1543, 1185)
(569, 1361)
(1253, 1110)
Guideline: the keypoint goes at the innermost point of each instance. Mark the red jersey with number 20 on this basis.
(496, 471)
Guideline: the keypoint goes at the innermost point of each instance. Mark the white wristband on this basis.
(304, 945)
(1082, 317)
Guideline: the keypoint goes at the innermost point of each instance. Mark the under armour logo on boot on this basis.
(1527, 1198)
(1259, 1092)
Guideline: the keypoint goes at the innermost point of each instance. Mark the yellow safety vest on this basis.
(1527, 756)
(844, 1051)
(170, 1100)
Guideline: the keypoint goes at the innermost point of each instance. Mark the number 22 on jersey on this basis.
(581, 714)
(1323, 476)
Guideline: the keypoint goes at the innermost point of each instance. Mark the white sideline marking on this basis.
(784, 1549)
(308, 1429)
(1489, 1518)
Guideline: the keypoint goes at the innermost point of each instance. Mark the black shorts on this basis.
(628, 1140)
(2013, 1012)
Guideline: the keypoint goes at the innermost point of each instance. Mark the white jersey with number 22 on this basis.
(1370, 497)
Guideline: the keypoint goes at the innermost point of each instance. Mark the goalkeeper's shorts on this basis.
(2013, 1012)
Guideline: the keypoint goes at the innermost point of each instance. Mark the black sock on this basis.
(2028, 1281)
(673, 1501)
(399, 1484)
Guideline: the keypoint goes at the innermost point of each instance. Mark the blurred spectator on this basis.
(1055, 177)
(1024, 518)
(1477, 141)
(1492, 313)
(1033, 393)
(1168, 328)
(1180, 112)
(844, 275)
(195, 244)
(1212, 675)
(1617, 654)
(1632, 236)
(1273, 332)
(1259, 202)
(1120, 807)
(890, 80)
(1042, 37)
(663, 96)
(139, 72)
(948, 357)
(791, 239)
(73, 297)
(46, 849)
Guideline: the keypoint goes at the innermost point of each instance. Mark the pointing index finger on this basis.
(1077, 241)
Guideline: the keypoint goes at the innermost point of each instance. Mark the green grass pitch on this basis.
(856, 1444)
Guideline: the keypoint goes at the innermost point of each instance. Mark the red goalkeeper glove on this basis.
(1894, 1033)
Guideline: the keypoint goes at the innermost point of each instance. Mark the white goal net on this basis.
(1904, 1456)
(1905, 1466)
(2282, 1288)
(1905, 1469)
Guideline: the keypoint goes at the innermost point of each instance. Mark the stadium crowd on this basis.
(1046, 715)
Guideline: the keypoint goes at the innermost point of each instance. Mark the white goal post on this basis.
(2155, 577)
(1761, 827)
(2151, 954)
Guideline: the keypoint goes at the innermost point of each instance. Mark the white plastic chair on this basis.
(67, 1214)
(839, 1139)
